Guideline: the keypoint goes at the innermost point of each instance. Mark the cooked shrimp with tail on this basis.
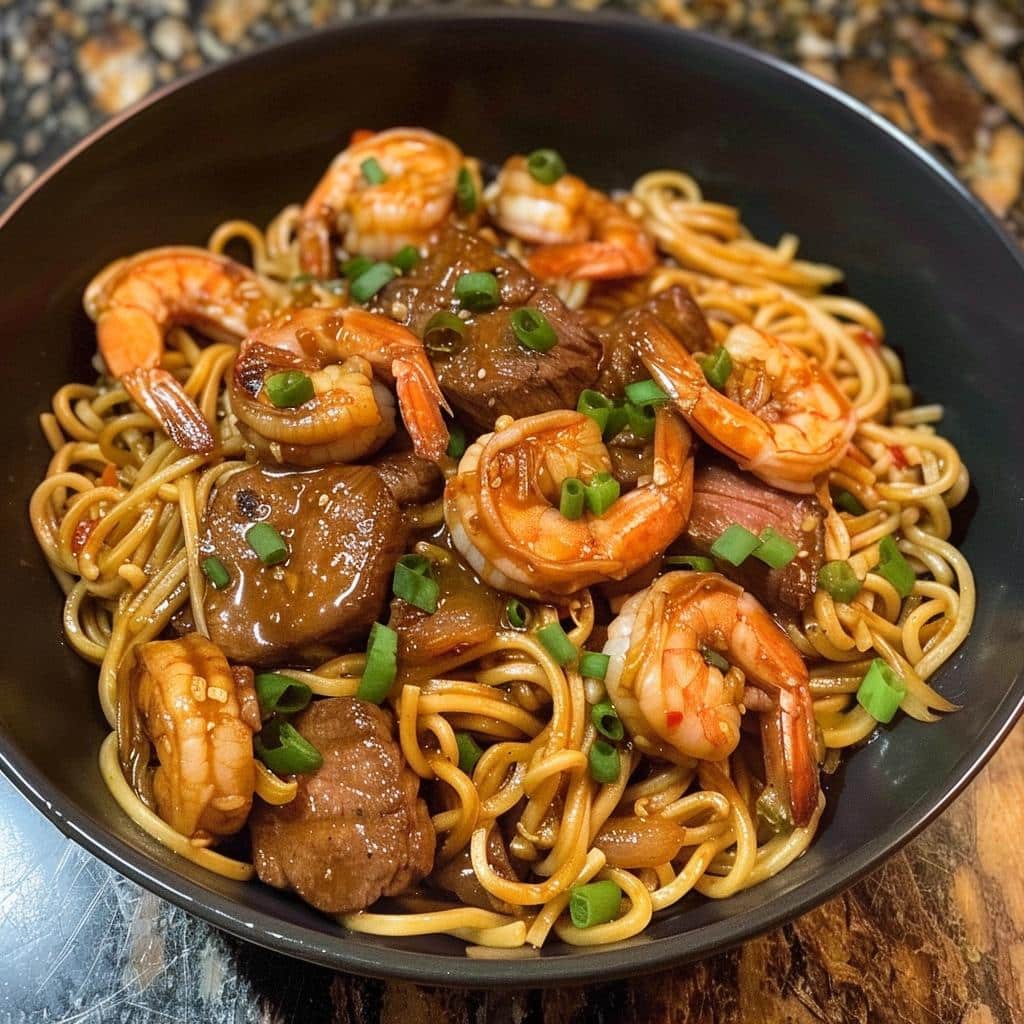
(182, 703)
(348, 356)
(136, 301)
(674, 701)
(502, 507)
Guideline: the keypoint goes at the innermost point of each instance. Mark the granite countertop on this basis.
(935, 935)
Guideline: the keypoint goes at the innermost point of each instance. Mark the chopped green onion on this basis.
(444, 332)
(533, 330)
(412, 583)
(735, 544)
(356, 267)
(697, 563)
(517, 613)
(369, 282)
(849, 503)
(284, 751)
(596, 903)
(645, 392)
(712, 657)
(601, 493)
(618, 417)
(839, 580)
(268, 544)
(881, 691)
(545, 166)
(288, 389)
(604, 761)
(478, 292)
(774, 550)
(465, 191)
(894, 567)
(469, 752)
(372, 171)
(381, 664)
(640, 419)
(281, 694)
(717, 366)
(557, 644)
(594, 665)
(406, 258)
(572, 499)
(595, 405)
(456, 441)
(606, 720)
(216, 572)
(301, 279)
(771, 809)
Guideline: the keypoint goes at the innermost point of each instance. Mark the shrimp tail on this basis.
(787, 735)
(161, 395)
(589, 261)
(421, 401)
(314, 246)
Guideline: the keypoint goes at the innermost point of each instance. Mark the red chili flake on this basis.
(899, 456)
(360, 135)
(109, 475)
(867, 338)
(82, 533)
(673, 718)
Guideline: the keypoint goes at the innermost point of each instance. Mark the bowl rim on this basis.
(335, 951)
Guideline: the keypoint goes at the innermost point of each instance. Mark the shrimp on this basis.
(502, 510)
(582, 233)
(782, 416)
(136, 301)
(185, 704)
(350, 413)
(675, 703)
(378, 218)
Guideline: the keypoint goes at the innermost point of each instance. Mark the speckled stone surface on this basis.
(935, 936)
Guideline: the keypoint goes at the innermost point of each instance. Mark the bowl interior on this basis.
(617, 97)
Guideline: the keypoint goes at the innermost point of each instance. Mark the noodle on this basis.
(118, 518)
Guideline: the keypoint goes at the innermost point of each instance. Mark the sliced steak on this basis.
(344, 533)
(723, 495)
(410, 479)
(357, 829)
(488, 373)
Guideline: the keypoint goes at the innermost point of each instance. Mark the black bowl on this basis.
(617, 97)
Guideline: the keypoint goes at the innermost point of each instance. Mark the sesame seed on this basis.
(481, 373)
(218, 694)
(199, 688)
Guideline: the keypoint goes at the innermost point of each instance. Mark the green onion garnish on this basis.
(469, 752)
(288, 389)
(717, 366)
(280, 747)
(572, 499)
(456, 441)
(735, 544)
(268, 544)
(406, 258)
(594, 665)
(618, 417)
(848, 503)
(601, 493)
(839, 579)
(545, 166)
(557, 644)
(774, 550)
(533, 330)
(771, 809)
(604, 761)
(881, 692)
(478, 292)
(640, 419)
(595, 405)
(712, 657)
(216, 572)
(369, 282)
(645, 392)
(606, 720)
(381, 664)
(412, 583)
(356, 267)
(465, 191)
(517, 613)
(596, 903)
(372, 171)
(894, 567)
(697, 563)
(444, 332)
(281, 694)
